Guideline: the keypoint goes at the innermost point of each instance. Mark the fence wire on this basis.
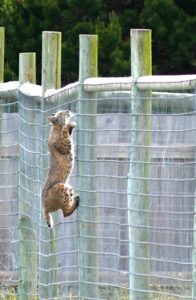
(109, 246)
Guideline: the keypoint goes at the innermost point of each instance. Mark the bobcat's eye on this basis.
(53, 114)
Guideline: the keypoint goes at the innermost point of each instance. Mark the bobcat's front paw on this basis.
(77, 198)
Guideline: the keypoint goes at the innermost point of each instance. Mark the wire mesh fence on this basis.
(122, 234)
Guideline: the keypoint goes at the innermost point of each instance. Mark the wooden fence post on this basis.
(51, 78)
(86, 165)
(194, 252)
(51, 60)
(139, 173)
(27, 287)
(27, 67)
(2, 51)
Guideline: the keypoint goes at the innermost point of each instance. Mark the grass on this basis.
(109, 293)
(158, 293)
(7, 293)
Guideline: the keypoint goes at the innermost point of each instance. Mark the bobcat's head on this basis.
(61, 117)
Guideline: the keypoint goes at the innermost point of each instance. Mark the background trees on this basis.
(174, 36)
(173, 23)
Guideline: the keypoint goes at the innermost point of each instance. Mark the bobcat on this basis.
(57, 192)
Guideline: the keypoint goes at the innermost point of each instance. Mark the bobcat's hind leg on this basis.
(70, 205)
(60, 196)
(69, 200)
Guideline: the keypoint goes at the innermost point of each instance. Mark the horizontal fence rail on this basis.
(153, 83)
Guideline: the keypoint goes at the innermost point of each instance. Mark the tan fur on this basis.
(57, 197)
(57, 193)
(61, 148)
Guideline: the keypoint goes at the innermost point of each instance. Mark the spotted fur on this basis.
(60, 196)
(57, 193)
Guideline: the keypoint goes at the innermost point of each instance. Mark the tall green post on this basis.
(86, 168)
(138, 178)
(27, 287)
(2, 52)
(194, 253)
(51, 79)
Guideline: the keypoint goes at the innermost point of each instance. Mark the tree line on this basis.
(173, 24)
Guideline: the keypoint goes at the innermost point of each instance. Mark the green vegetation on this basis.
(173, 23)
(9, 293)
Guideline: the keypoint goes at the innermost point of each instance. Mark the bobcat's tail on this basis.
(49, 219)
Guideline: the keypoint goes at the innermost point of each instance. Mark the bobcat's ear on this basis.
(52, 119)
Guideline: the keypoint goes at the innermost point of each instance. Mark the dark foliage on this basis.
(173, 24)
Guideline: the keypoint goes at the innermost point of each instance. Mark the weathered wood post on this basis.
(27, 67)
(27, 287)
(194, 253)
(51, 60)
(139, 173)
(2, 51)
(51, 79)
(86, 168)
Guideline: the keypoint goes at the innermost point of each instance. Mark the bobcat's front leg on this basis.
(65, 141)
